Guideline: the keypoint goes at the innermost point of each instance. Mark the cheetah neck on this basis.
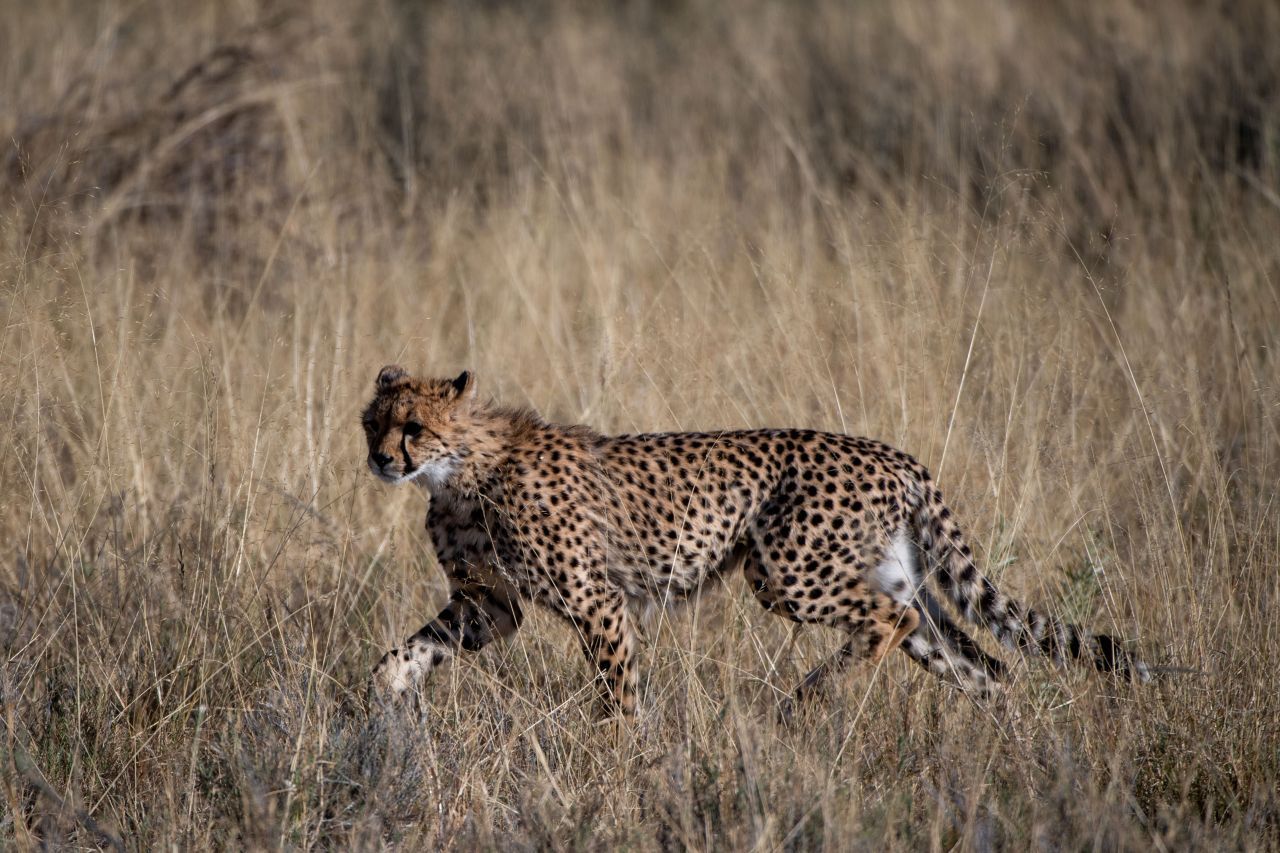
(481, 445)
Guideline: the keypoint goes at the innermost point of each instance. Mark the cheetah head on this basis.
(414, 426)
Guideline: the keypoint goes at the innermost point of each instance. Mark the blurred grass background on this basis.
(1033, 244)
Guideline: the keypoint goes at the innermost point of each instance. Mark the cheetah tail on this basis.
(1014, 624)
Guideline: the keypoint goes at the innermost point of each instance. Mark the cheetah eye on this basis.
(412, 428)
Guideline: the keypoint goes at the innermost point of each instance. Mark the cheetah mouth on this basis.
(394, 477)
(434, 474)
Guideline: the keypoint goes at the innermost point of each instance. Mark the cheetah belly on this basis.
(670, 576)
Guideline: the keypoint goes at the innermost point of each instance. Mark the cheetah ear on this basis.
(389, 376)
(464, 386)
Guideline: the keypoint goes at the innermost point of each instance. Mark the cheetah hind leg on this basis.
(870, 639)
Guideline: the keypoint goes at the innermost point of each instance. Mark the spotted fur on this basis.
(826, 528)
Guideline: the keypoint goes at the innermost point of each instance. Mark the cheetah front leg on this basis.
(475, 616)
(601, 619)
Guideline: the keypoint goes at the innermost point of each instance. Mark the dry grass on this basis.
(1035, 245)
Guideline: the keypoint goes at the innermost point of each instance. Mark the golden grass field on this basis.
(1035, 245)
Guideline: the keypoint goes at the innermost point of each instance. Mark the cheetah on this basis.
(826, 528)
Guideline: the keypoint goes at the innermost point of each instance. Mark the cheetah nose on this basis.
(380, 459)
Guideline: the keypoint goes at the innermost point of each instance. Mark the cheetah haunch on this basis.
(827, 528)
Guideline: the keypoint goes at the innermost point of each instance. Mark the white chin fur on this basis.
(436, 474)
